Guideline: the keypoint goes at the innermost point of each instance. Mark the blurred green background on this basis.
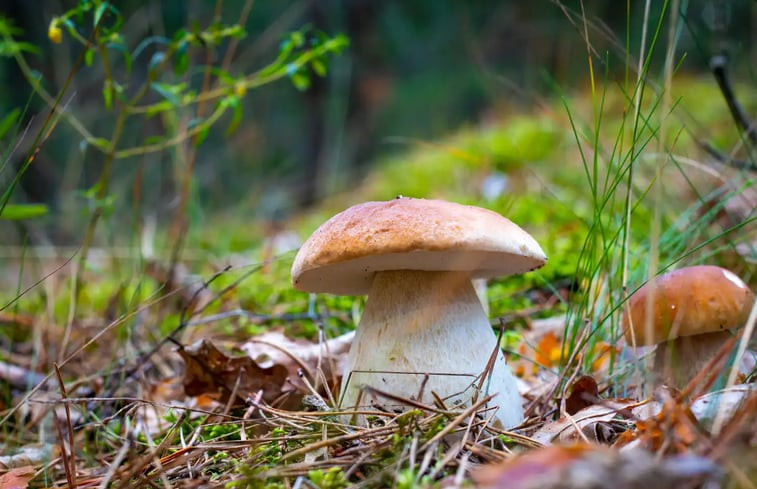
(414, 70)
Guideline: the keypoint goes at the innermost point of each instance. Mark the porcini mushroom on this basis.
(692, 311)
(423, 329)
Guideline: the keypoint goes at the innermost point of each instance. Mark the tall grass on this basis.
(644, 219)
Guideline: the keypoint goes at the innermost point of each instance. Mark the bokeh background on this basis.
(413, 71)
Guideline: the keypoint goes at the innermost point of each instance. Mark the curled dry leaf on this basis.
(583, 393)
(593, 422)
(273, 347)
(210, 371)
(273, 364)
(583, 466)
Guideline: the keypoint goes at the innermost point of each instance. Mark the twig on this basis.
(455, 422)
(726, 159)
(718, 65)
(69, 461)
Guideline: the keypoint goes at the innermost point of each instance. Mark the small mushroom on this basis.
(692, 312)
(423, 329)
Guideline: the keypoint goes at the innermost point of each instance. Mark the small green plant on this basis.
(156, 78)
(332, 478)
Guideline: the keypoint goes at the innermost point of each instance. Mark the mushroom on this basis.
(423, 329)
(692, 311)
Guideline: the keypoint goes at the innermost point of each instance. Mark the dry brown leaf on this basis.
(210, 371)
(583, 393)
(17, 478)
(673, 428)
(582, 466)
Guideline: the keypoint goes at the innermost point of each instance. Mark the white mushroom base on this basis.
(424, 332)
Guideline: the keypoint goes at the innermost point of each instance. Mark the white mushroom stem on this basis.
(677, 361)
(418, 323)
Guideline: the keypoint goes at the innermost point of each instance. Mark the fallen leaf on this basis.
(17, 478)
(673, 428)
(725, 401)
(29, 455)
(274, 347)
(210, 371)
(583, 466)
(583, 393)
(565, 429)
(705, 407)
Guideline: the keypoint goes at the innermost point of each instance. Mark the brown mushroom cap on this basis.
(687, 302)
(343, 254)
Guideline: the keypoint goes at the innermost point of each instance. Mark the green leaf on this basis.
(201, 136)
(300, 81)
(236, 117)
(99, 12)
(19, 212)
(88, 56)
(10, 48)
(298, 38)
(170, 92)
(319, 66)
(181, 62)
(9, 121)
(236, 31)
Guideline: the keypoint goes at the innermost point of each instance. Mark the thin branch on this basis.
(726, 159)
(718, 65)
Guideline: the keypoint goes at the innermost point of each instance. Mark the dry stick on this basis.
(69, 461)
(462, 468)
(338, 439)
(403, 400)
(459, 419)
(63, 456)
(324, 343)
(489, 369)
(726, 159)
(357, 463)
(718, 65)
